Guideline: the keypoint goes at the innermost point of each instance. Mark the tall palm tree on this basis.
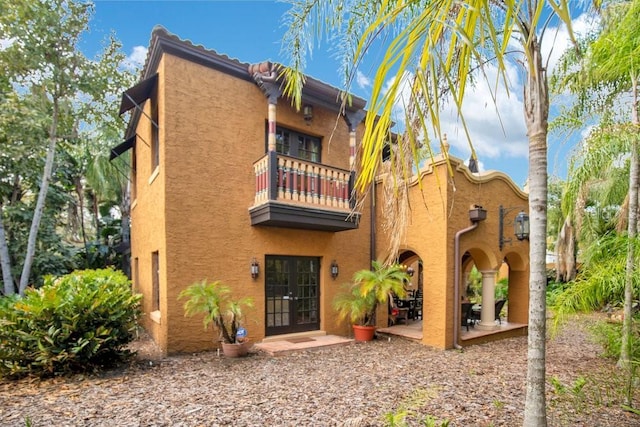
(442, 43)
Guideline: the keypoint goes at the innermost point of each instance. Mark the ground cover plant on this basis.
(75, 323)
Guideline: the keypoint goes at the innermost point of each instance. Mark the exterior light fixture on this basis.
(334, 269)
(255, 268)
(520, 225)
(307, 111)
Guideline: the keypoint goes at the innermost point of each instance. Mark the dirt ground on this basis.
(353, 385)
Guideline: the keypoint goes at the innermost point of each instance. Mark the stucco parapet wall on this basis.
(460, 166)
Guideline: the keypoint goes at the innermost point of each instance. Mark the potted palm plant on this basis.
(213, 299)
(368, 290)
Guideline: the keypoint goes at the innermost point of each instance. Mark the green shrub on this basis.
(502, 289)
(76, 323)
(609, 335)
(555, 290)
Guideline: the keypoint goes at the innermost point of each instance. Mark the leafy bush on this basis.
(609, 335)
(474, 285)
(76, 323)
(502, 289)
(554, 290)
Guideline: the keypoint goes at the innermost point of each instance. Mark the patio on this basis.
(413, 330)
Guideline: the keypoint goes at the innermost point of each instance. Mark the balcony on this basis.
(295, 193)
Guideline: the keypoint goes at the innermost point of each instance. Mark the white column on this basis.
(272, 126)
(353, 119)
(488, 315)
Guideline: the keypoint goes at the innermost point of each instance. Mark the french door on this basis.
(292, 294)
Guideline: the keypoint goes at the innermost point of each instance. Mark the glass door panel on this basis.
(292, 294)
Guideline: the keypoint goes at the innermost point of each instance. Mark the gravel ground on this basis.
(353, 385)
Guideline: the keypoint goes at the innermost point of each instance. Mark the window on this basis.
(136, 276)
(134, 175)
(155, 134)
(298, 145)
(155, 277)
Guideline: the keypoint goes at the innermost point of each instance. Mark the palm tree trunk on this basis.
(565, 252)
(632, 227)
(42, 196)
(5, 261)
(536, 100)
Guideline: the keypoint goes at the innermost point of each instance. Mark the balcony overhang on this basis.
(276, 214)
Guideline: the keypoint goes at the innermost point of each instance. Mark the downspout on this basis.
(372, 240)
(456, 279)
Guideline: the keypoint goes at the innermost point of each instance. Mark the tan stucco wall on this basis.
(440, 208)
(212, 131)
(148, 215)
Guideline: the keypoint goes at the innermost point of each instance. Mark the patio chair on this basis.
(467, 315)
(397, 311)
(499, 306)
(417, 305)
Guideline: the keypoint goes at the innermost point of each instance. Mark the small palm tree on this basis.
(213, 300)
(369, 289)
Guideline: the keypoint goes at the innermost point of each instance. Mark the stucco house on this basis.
(230, 183)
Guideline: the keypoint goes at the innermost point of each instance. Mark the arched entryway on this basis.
(405, 315)
(494, 296)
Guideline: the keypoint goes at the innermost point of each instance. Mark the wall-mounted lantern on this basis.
(520, 225)
(334, 269)
(307, 112)
(255, 268)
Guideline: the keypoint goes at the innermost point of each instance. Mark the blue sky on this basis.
(251, 31)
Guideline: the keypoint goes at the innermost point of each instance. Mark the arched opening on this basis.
(405, 314)
(493, 296)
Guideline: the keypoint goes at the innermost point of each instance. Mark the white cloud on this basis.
(556, 39)
(497, 130)
(137, 58)
(403, 95)
(362, 80)
(586, 132)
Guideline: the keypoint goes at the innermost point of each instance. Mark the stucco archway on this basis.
(414, 287)
(488, 277)
(518, 287)
(405, 314)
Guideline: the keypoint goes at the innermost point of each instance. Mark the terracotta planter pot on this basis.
(235, 350)
(363, 333)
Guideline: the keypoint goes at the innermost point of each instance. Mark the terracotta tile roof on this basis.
(162, 40)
